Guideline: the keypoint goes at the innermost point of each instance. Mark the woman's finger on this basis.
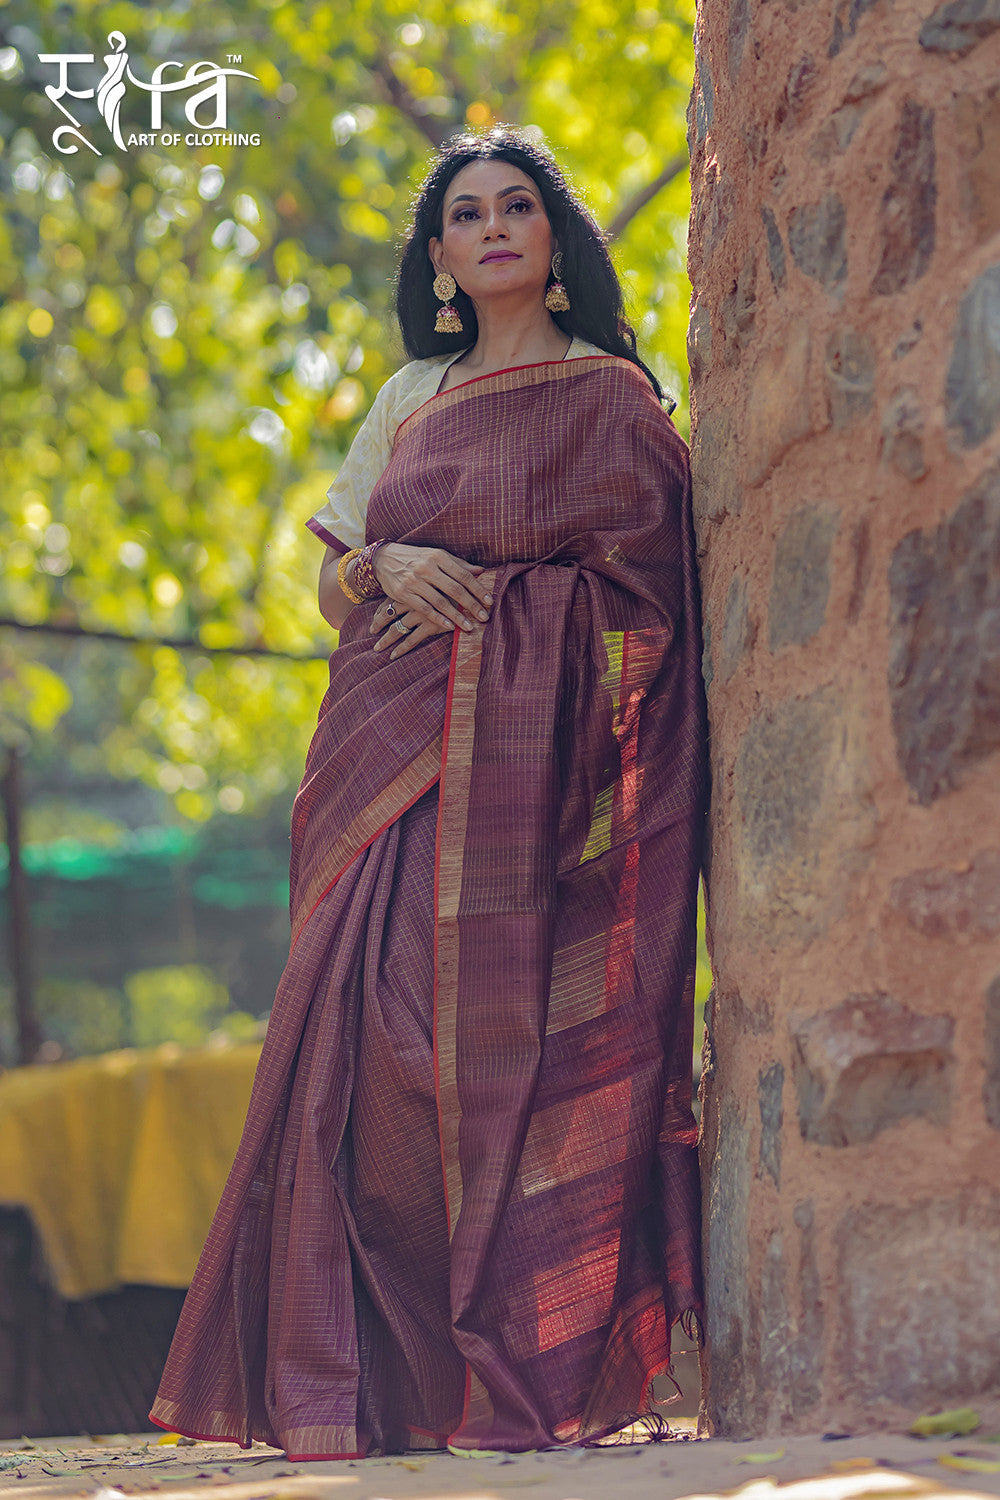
(383, 615)
(432, 606)
(418, 634)
(473, 596)
(392, 637)
(455, 581)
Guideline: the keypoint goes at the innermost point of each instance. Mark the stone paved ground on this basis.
(884, 1467)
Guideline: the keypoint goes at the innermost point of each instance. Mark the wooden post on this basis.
(29, 1034)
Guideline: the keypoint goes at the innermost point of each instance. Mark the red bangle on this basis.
(365, 579)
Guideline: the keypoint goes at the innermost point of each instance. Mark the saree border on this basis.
(449, 855)
(516, 378)
(318, 529)
(401, 793)
(457, 743)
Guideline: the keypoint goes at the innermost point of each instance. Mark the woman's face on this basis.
(496, 238)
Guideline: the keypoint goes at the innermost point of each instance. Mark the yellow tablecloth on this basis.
(120, 1159)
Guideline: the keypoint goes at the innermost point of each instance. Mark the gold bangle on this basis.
(342, 568)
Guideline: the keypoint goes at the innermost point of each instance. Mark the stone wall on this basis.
(845, 358)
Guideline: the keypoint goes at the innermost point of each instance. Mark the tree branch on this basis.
(399, 95)
(179, 643)
(645, 195)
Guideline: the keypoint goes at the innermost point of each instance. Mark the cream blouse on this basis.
(341, 522)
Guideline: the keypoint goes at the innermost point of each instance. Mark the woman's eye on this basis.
(524, 203)
(460, 215)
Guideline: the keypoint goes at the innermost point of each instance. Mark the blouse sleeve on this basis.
(341, 522)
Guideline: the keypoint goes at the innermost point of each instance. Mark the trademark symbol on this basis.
(234, 57)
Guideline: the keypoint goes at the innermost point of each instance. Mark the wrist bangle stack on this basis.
(365, 578)
(342, 568)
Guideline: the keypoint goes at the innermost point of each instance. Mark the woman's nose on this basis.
(493, 225)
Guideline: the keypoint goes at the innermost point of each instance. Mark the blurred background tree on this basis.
(189, 339)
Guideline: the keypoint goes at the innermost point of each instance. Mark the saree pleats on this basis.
(465, 1208)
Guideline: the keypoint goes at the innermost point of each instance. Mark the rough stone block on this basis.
(977, 125)
(959, 26)
(739, 26)
(775, 249)
(791, 1340)
(778, 412)
(944, 632)
(849, 367)
(804, 821)
(906, 215)
(739, 311)
(867, 1064)
(801, 77)
(727, 1293)
(972, 385)
(909, 339)
(902, 429)
(800, 578)
(817, 240)
(942, 903)
(807, 1358)
(845, 22)
(991, 1084)
(699, 340)
(705, 106)
(919, 1315)
(715, 487)
(738, 630)
(861, 567)
(770, 1087)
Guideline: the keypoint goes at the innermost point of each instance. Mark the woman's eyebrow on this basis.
(519, 187)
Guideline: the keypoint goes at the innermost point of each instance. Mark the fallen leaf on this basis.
(417, 1465)
(167, 1439)
(960, 1420)
(760, 1458)
(970, 1465)
(853, 1463)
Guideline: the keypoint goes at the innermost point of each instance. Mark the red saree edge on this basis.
(580, 360)
(304, 1458)
(200, 1437)
(387, 824)
(327, 536)
(295, 1458)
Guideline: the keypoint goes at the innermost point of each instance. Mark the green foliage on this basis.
(189, 336)
(181, 1003)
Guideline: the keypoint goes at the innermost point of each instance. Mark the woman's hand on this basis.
(441, 590)
(393, 640)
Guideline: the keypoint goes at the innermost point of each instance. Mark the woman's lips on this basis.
(500, 255)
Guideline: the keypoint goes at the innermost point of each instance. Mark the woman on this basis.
(464, 1210)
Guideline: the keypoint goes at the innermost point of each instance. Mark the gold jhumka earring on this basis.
(557, 298)
(449, 319)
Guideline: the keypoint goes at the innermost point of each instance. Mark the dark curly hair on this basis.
(596, 313)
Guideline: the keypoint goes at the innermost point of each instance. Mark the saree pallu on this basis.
(465, 1207)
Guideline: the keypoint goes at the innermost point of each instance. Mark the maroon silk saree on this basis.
(465, 1206)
